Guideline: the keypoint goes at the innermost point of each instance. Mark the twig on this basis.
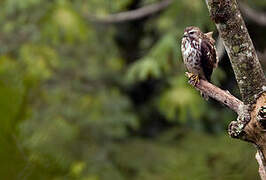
(262, 168)
(220, 95)
(262, 58)
(253, 15)
(133, 14)
(262, 55)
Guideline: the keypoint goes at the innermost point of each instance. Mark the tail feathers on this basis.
(204, 96)
(209, 35)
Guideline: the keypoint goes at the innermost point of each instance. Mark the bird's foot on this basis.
(193, 79)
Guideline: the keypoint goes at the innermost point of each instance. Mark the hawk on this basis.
(199, 54)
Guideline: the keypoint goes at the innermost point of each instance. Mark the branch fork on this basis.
(251, 122)
(235, 128)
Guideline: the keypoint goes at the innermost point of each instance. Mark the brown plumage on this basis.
(199, 53)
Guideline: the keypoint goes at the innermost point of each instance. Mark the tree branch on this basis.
(133, 14)
(220, 95)
(262, 171)
(249, 75)
(253, 15)
(242, 54)
(262, 57)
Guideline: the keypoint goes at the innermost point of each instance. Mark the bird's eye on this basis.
(191, 32)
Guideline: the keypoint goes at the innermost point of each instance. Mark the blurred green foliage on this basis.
(90, 101)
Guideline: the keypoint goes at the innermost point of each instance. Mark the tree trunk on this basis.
(251, 122)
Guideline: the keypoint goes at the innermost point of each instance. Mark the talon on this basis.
(193, 79)
(188, 74)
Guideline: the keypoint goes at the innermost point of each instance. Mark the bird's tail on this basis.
(209, 35)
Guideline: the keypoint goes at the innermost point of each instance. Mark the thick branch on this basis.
(248, 73)
(253, 15)
(243, 57)
(220, 95)
(133, 14)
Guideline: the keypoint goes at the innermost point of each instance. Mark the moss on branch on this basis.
(243, 57)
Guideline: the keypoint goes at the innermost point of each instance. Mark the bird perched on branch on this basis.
(199, 55)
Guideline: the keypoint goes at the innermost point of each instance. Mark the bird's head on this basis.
(192, 32)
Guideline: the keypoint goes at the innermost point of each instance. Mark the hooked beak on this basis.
(185, 34)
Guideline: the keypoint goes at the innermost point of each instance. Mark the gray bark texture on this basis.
(243, 57)
(251, 123)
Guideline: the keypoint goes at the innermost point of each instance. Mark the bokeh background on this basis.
(84, 99)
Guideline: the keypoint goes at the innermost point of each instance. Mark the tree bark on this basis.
(251, 123)
(242, 54)
(220, 95)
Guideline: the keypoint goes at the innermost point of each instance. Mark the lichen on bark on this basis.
(250, 125)
(244, 60)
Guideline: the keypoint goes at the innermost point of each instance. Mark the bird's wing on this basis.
(208, 57)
